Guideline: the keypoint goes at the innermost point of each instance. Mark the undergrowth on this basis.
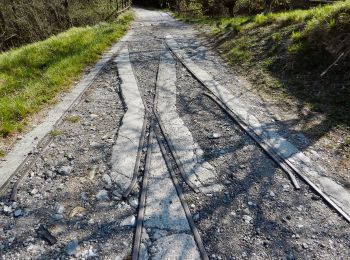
(33, 75)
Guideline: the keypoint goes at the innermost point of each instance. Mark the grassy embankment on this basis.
(283, 55)
(32, 76)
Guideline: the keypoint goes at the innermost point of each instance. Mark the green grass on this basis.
(72, 119)
(33, 75)
(2, 153)
(55, 133)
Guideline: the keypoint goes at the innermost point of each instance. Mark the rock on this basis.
(107, 181)
(158, 233)
(7, 210)
(117, 195)
(102, 195)
(134, 202)
(70, 157)
(93, 116)
(57, 217)
(34, 191)
(59, 208)
(300, 208)
(92, 172)
(214, 136)
(129, 221)
(77, 211)
(84, 197)
(18, 213)
(272, 194)
(49, 174)
(196, 217)
(247, 218)
(65, 170)
(14, 205)
(315, 197)
(305, 246)
(193, 206)
(286, 187)
(227, 182)
(72, 247)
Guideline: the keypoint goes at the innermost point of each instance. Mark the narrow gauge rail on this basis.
(156, 129)
(285, 165)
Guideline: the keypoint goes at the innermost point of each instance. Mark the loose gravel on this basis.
(69, 189)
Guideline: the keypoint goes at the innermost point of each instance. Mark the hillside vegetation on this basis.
(299, 54)
(32, 76)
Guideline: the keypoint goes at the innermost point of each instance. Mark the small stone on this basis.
(57, 217)
(18, 213)
(196, 217)
(107, 181)
(300, 208)
(134, 202)
(72, 247)
(129, 221)
(305, 246)
(214, 136)
(59, 208)
(7, 209)
(286, 187)
(93, 116)
(315, 197)
(193, 206)
(250, 203)
(227, 182)
(70, 157)
(49, 174)
(233, 214)
(65, 170)
(247, 218)
(34, 191)
(77, 211)
(272, 194)
(102, 195)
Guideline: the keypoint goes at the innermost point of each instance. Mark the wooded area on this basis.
(25, 21)
(231, 7)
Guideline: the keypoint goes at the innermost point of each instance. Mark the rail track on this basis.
(285, 165)
(153, 128)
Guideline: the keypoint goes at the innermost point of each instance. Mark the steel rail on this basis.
(266, 148)
(171, 145)
(179, 191)
(270, 152)
(138, 159)
(142, 203)
(283, 163)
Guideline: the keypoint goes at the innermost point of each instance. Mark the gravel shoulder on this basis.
(69, 189)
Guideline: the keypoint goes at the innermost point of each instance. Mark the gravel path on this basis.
(70, 193)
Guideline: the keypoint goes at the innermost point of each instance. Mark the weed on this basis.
(72, 119)
(276, 37)
(296, 36)
(2, 153)
(55, 133)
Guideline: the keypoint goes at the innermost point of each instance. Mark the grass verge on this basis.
(33, 75)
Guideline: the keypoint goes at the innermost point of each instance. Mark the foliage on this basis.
(25, 21)
(32, 76)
